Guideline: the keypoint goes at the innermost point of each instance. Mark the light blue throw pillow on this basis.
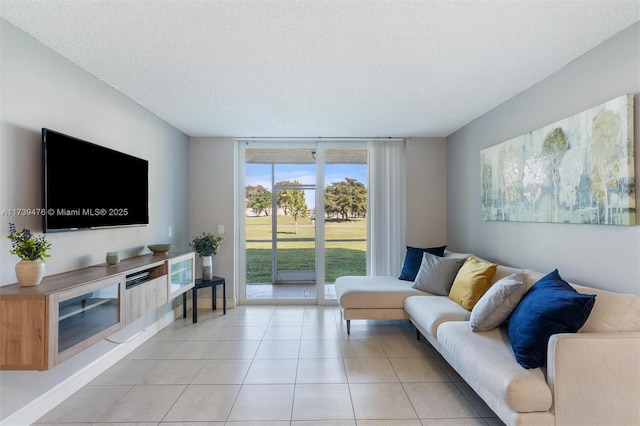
(436, 274)
(495, 306)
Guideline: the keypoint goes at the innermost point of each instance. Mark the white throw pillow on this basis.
(436, 274)
(495, 306)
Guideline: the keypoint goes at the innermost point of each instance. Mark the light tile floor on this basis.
(278, 365)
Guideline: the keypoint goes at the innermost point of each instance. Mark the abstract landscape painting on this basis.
(576, 170)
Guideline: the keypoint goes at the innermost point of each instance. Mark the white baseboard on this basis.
(44, 403)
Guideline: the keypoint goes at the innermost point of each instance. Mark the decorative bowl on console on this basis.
(159, 249)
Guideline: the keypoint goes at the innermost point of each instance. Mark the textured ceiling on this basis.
(320, 68)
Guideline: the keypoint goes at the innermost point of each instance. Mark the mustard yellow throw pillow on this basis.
(472, 282)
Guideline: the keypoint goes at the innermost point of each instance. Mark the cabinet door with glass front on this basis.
(181, 276)
(87, 314)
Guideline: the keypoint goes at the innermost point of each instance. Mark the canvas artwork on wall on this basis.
(576, 170)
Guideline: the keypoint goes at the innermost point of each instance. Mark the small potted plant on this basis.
(32, 251)
(207, 245)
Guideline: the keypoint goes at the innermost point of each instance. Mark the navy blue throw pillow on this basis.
(413, 260)
(551, 306)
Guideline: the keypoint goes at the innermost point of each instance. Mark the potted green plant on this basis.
(32, 251)
(207, 245)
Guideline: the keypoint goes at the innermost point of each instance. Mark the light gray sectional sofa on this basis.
(591, 377)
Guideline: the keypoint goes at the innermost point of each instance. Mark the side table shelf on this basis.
(200, 283)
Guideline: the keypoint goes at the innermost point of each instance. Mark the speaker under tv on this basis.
(89, 186)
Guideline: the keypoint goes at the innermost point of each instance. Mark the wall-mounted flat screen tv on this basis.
(88, 186)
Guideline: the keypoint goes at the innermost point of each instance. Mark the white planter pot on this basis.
(29, 272)
(207, 268)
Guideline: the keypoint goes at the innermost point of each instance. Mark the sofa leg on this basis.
(348, 327)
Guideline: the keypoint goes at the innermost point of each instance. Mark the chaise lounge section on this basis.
(378, 298)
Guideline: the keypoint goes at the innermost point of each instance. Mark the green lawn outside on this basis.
(342, 258)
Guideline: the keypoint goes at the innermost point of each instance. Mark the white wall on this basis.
(212, 174)
(602, 256)
(39, 88)
(426, 192)
(211, 201)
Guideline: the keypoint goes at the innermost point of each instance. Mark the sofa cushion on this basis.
(495, 306)
(613, 312)
(504, 271)
(431, 311)
(550, 306)
(436, 274)
(486, 362)
(382, 292)
(413, 259)
(471, 282)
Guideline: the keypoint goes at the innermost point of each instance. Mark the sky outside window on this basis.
(260, 174)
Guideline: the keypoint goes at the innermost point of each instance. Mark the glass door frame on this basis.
(275, 270)
(320, 145)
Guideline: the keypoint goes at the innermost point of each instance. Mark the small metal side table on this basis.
(199, 283)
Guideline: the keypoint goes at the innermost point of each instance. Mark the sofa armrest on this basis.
(595, 378)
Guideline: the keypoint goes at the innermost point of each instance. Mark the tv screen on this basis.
(89, 186)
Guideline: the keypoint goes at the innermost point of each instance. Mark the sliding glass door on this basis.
(345, 215)
(304, 219)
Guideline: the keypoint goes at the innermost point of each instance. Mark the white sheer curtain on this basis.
(386, 211)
